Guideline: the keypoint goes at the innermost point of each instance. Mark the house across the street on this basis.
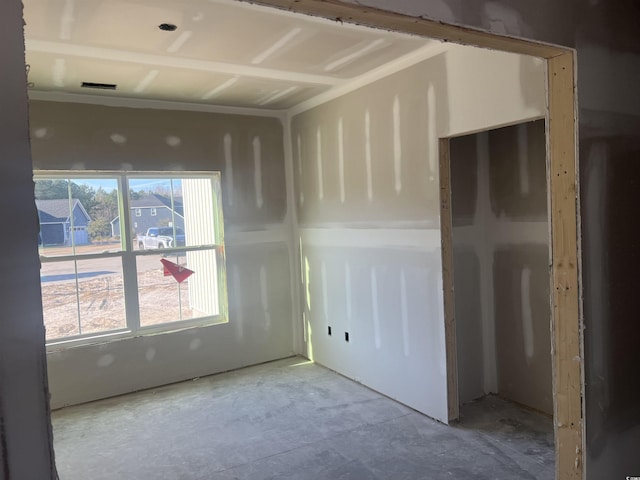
(153, 210)
(56, 225)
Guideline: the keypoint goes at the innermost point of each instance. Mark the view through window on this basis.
(160, 266)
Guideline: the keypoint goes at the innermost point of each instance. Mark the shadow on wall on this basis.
(612, 345)
(500, 237)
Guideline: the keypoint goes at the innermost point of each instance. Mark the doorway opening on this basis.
(500, 243)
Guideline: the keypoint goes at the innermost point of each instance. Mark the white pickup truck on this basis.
(160, 237)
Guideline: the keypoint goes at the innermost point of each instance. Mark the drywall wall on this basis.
(608, 59)
(367, 197)
(26, 449)
(501, 281)
(78, 136)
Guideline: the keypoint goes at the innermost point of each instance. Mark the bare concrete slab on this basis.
(293, 419)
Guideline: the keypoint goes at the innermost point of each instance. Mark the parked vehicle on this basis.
(160, 237)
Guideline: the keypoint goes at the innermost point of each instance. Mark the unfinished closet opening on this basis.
(500, 244)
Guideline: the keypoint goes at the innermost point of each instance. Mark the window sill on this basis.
(59, 345)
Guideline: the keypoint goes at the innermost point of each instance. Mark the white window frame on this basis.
(129, 256)
(138, 212)
(154, 211)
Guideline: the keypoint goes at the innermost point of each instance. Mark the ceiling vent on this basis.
(99, 86)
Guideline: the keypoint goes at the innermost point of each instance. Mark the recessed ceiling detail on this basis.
(224, 52)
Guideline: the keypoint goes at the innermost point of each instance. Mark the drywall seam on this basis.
(269, 235)
(153, 104)
(295, 260)
(361, 238)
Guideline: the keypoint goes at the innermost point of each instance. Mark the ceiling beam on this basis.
(115, 55)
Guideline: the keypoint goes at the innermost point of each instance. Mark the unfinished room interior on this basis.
(319, 239)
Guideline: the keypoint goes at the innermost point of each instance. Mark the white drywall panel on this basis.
(489, 89)
(367, 198)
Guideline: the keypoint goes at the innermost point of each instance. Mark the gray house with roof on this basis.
(62, 221)
(153, 210)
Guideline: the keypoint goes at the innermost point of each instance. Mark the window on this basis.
(105, 274)
(154, 212)
(138, 212)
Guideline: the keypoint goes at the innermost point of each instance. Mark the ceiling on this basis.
(223, 52)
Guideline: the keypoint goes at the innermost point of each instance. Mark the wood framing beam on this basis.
(453, 403)
(376, 18)
(565, 295)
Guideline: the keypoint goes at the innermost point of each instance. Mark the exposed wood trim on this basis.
(565, 318)
(447, 281)
(376, 18)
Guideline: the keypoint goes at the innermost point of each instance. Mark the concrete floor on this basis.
(292, 419)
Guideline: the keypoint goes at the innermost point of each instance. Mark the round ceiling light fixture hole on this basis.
(167, 27)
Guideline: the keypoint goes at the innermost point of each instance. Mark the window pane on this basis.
(159, 296)
(172, 212)
(156, 212)
(59, 299)
(77, 216)
(101, 295)
(92, 288)
(164, 296)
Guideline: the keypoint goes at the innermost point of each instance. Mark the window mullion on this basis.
(129, 267)
(221, 271)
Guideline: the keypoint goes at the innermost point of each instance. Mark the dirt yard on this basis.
(101, 301)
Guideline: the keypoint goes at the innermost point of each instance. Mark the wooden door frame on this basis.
(562, 185)
(565, 321)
